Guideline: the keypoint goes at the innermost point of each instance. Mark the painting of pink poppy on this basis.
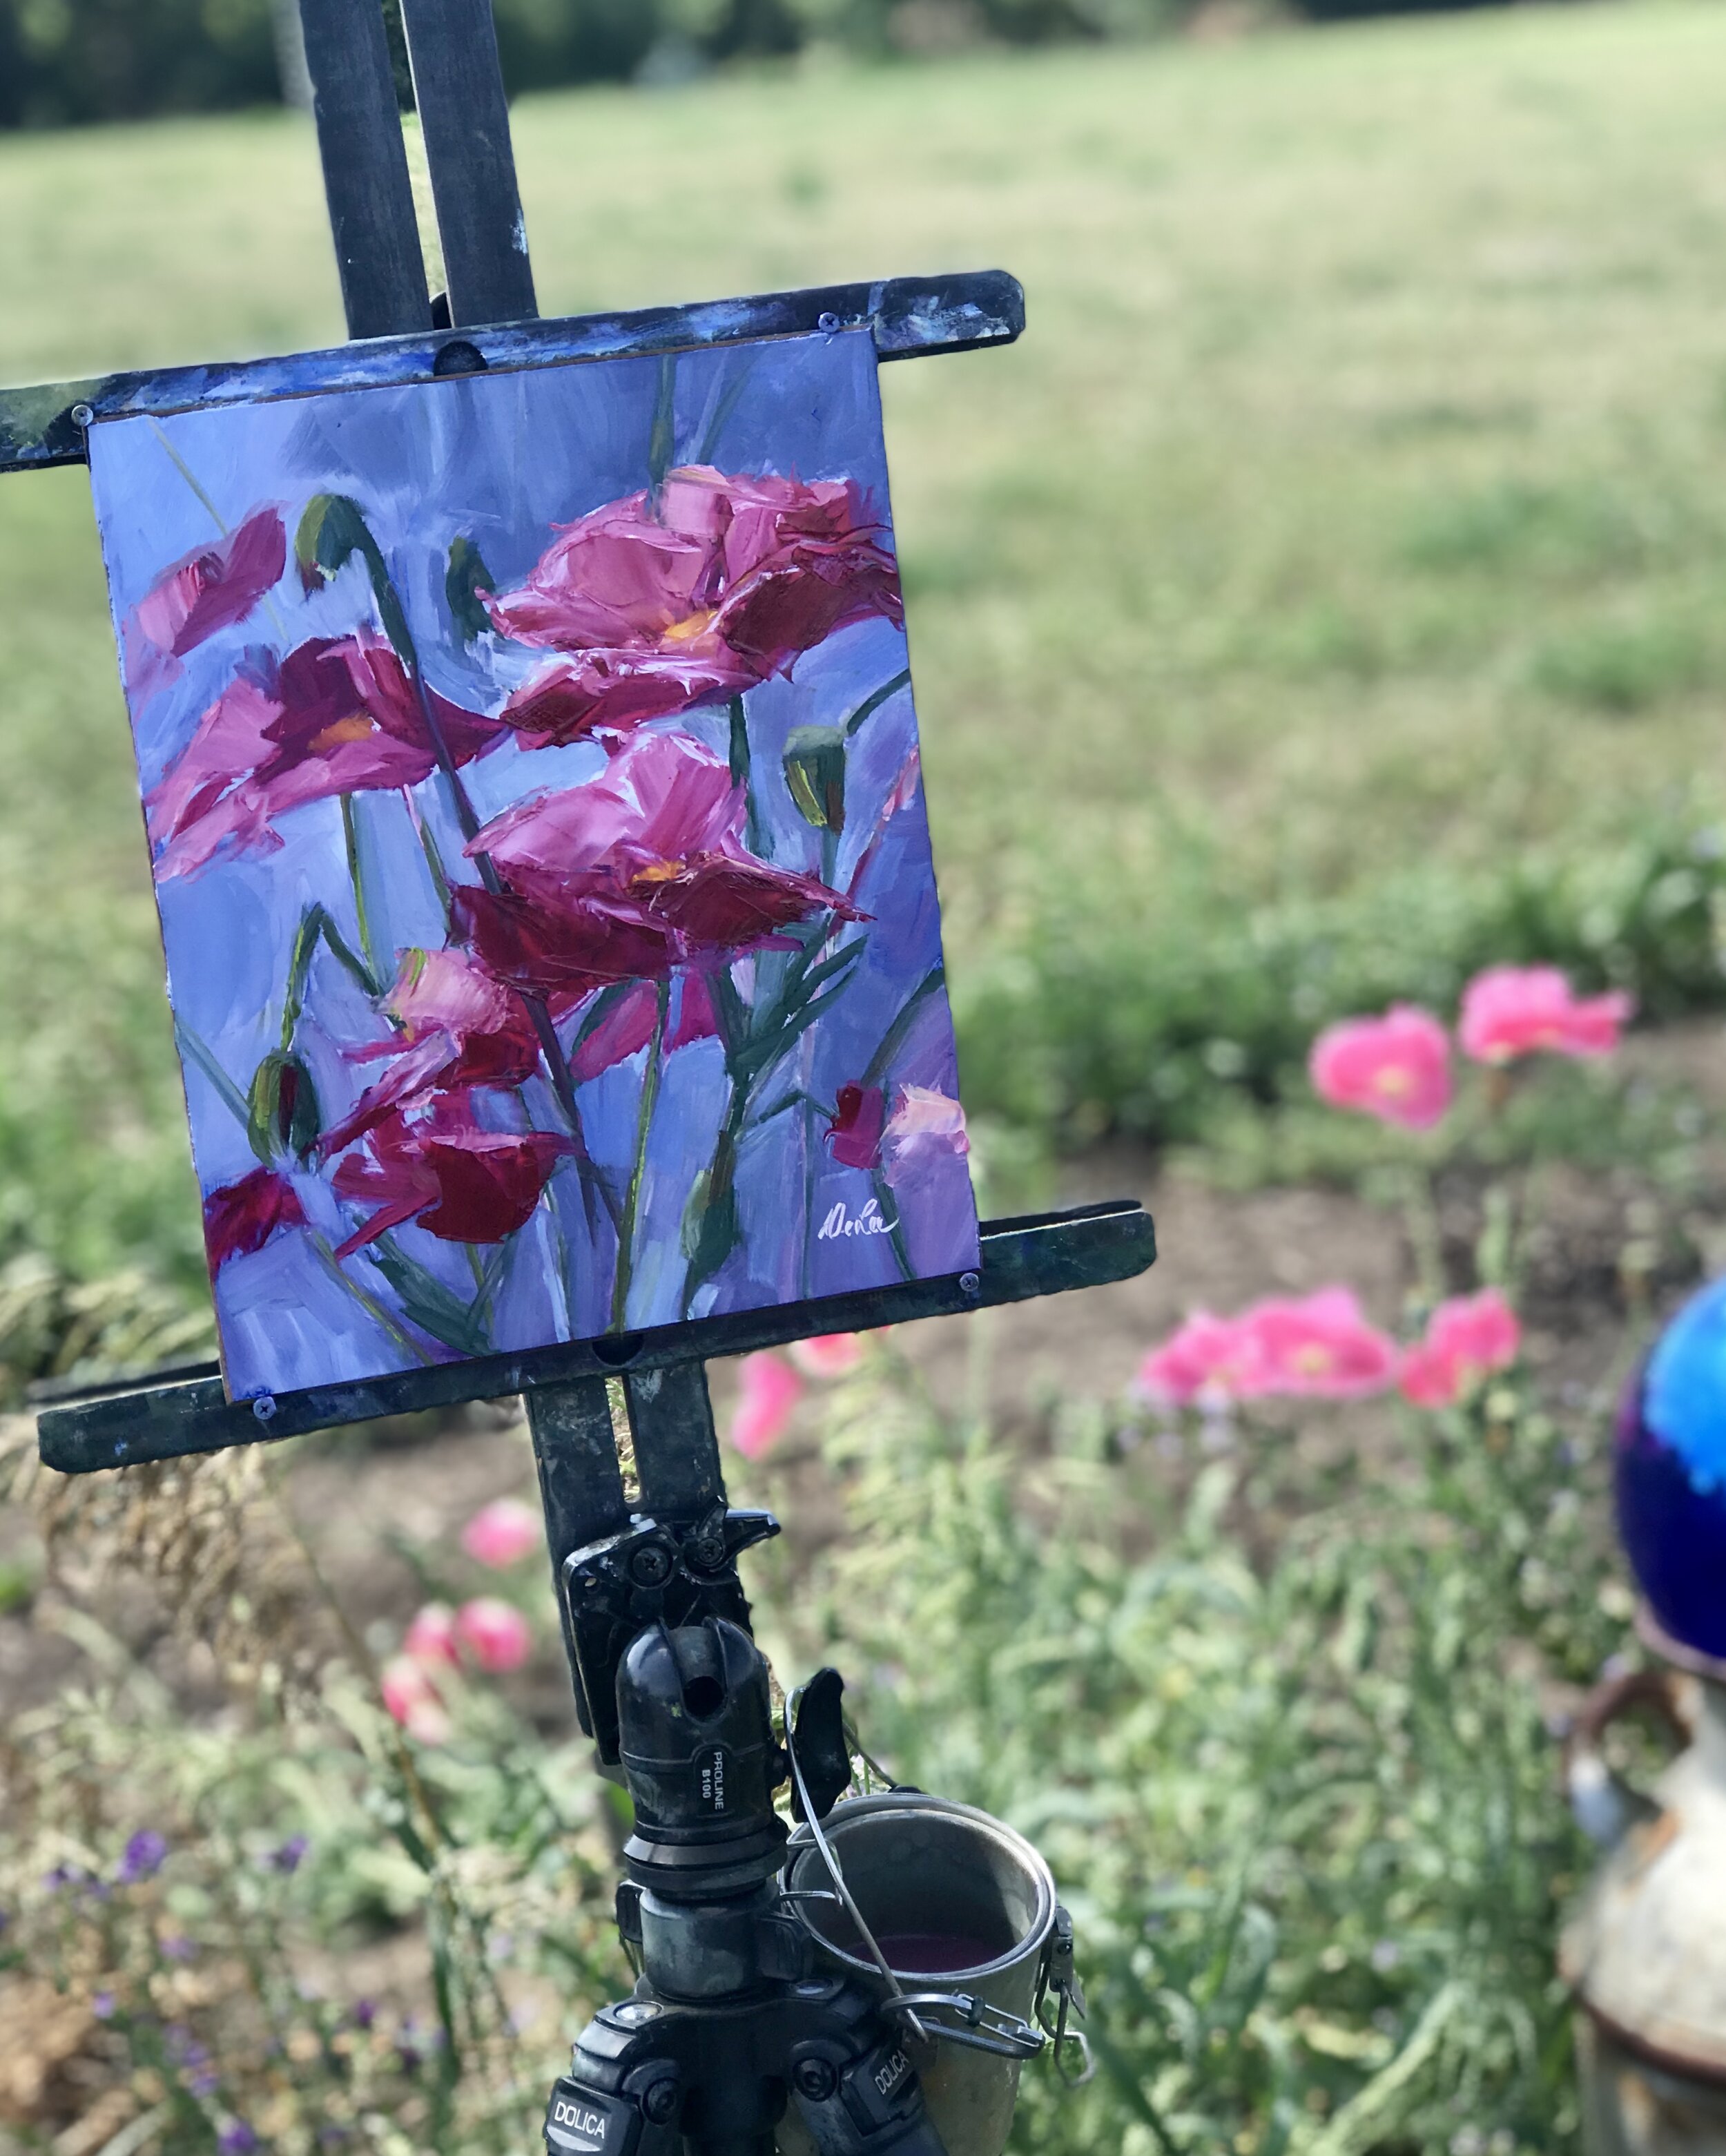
(530, 776)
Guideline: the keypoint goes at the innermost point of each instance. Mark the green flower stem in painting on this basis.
(872, 703)
(376, 1310)
(350, 841)
(429, 846)
(316, 925)
(631, 1202)
(755, 836)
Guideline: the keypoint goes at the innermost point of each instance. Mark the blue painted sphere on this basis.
(1670, 1469)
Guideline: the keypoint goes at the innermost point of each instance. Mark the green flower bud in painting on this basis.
(283, 1108)
(814, 771)
(463, 580)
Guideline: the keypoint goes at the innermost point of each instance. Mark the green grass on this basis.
(1351, 512)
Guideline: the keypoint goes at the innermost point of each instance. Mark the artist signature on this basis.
(838, 1222)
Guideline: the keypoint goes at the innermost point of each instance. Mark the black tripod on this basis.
(730, 2021)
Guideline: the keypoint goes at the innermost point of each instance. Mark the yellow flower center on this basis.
(658, 872)
(690, 628)
(357, 726)
(1312, 1361)
(1393, 1080)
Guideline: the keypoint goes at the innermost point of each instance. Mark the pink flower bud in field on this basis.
(769, 1391)
(1467, 1338)
(411, 1699)
(1512, 1011)
(503, 1533)
(1396, 1067)
(494, 1633)
(431, 1637)
(828, 1354)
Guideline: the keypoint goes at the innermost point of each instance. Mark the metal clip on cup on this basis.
(1060, 1976)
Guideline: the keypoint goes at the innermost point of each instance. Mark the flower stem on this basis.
(368, 1302)
(351, 837)
(754, 835)
(631, 1202)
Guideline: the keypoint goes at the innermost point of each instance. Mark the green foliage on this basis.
(1296, 1785)
(1305, 1809)
(1163, 1024)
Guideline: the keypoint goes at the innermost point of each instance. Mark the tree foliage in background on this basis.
(63, 62)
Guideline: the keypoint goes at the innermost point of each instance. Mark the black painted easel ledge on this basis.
(905, 317)
(1039, 1253)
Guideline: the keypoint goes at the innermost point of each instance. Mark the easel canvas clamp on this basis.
(668, 1561)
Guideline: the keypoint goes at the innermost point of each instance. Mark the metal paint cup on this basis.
(921, 1868)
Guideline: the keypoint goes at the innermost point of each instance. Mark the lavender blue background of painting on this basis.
(504, 458)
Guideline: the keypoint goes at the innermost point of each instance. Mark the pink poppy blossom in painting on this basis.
(208, 589)
(1466, 1340)
(531, 775)
(1512, 1011)
(704, 592)
(1396, 1067)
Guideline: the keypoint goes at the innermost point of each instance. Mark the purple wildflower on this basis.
(65, 1875)
(286, 1859)
(176, 1947)
(236, 2138)
(102, 2006)
(143, 1857)
(364, 2013)
(204, 2082)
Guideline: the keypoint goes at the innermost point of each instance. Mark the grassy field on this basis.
(1351, 513)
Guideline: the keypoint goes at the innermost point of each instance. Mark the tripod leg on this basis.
(862, 2107)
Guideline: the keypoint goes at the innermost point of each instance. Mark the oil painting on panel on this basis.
(531, 780)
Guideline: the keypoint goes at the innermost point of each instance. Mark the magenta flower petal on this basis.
(503, 1533)
(1318, 1346)
(494, 1633)
(853, 1136)
(660, 606)
(1208, 1360)
(1467, 1338)
(1396, 1067)
(768, 1391)
(241, 1216)
(461, 1183)
(211, 589)
(1512, 1011)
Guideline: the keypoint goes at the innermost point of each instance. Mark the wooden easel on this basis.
(403, 333)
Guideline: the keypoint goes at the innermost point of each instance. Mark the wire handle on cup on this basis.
(897, 1999)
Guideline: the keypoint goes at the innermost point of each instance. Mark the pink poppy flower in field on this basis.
(212, 589)
(1208, 1360)
(924, 1125)
(854, 1131)
(828, 1354)
(1465, 1339)
(461, 1183)
(241, 1216)
(457, 1026)
(503, 1533)
(494, 1633)
(411, 1698)
(431, 1637)
(638, 872)
(1396, 1067)
(768, 1391)
(1318, 1346)
(1512, 1011)
(337, 715)
(661, 606)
